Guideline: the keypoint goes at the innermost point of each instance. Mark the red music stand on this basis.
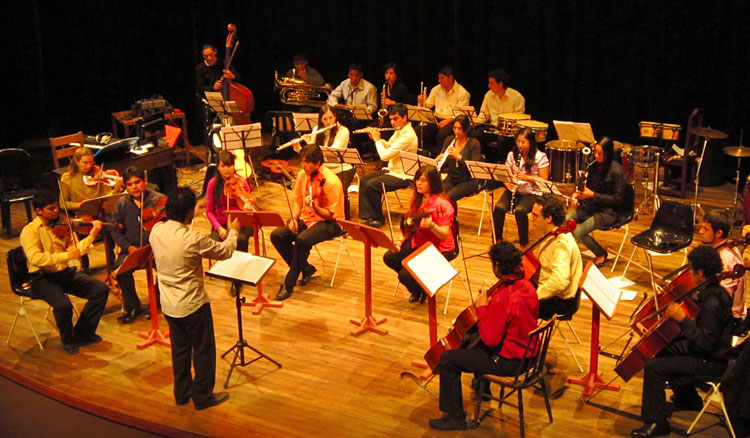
(593, 380)
(431, 306)
(140, 259)
(370, 237)
(258, 219)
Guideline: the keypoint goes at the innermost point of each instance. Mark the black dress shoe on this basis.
(650, 430)
(70, 348)
(307, 275)
(88, 340)
(215, 399)
(374, 223)
(414, 298)
(284, 293)
(422, 297)
(602, 263)
(130, 316)
(448, 422)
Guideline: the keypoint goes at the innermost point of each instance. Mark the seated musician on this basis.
(559, 259)
(394, 88)
(179, 252)
(460, 147)
(129, 212)
(217, 201)
(506, 314)
(436, 226)
(318, 203)
(392, 176)
(444, 97)
(53, 260)
(524, 160)
(73, 189)
(303, 71)
(714, 230)
(701, 349)
(357, 91)
(600, 204)
(498, 100)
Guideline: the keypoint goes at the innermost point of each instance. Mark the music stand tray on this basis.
(242, 137)
(412, 162)
(219, 105)
(420, 114)
(242, 268)
(96, 206)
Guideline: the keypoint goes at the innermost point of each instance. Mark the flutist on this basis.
(456, 150)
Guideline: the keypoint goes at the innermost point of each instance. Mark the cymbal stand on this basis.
(696, 205)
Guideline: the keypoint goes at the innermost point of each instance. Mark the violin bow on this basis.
(67, 216)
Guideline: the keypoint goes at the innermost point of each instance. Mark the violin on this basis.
(83, 224)
(410, 225)
(109, 177)
(464, 323)
(152, 215)
(645, 316)
(666, 329)
(234, 189)
(279, 167)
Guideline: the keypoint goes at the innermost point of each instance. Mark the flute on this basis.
(314, 132)
(365, 130)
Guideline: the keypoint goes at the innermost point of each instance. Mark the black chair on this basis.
(532, 375)
(15, 184)
(567, 317)
(283, 127)
(670, 231)
(18, 274)
(626, 217)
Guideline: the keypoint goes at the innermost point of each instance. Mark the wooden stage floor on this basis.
(331, 383)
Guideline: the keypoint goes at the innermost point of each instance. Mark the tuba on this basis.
(293, 91)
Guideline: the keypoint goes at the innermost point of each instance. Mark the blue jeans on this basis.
(582, 233)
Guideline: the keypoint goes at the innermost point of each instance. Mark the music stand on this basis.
(242, 268)
(467, 111)
(490, 172)
(370, 237)
(359, 112)
(140, 259)
(432, 271)
(257, 220)
(412, 162)
(423, 115)
(98, 208)
(219, 105)
(304, 122)
(574, 131)
(546, 186)
(341, 157)
(242, 137)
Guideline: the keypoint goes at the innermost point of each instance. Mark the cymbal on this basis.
(706, 132)
(737, 151)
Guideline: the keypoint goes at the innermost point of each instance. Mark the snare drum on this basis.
(670, 131)
(645, 156)
(650, 129)
(507, 123)
(538, 128)
(564, 156)
(622, 153)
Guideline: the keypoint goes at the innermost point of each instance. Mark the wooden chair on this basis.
(532, 376)
(64, 147)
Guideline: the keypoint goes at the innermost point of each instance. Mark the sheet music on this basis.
(575, 131)
(432, 269)
(242, 266)
(600, 290)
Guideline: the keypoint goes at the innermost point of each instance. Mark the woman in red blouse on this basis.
(429, 219)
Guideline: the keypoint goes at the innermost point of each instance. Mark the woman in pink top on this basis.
(430, 219)
(217, 205)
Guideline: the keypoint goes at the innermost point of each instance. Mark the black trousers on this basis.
(478, 360)
(371, 193)
(555, 306)
(393, 260)
(522, 205)
(52, 287)
(295, 248)
(242, 239)
(130, 300)
(460, 190)
(679, 371)
(193, 341)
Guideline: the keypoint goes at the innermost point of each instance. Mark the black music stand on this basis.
(99, 208)
(242, 137)
(219, 105)
(140, 259)
(412, 162)
(258, 220)
(242, 268)
(467, 111)
(490, 172)
(370, 237)
(423, 115)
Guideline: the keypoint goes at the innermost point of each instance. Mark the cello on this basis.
(666, 329)
(529, 261)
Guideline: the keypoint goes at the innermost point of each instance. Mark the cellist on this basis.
(702, 349)
(506, 314)
(129, 214)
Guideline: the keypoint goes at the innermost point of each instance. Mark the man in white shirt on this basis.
(357, 91)
(444, 97)
(393, 176)
(178, 251)
(500, 99)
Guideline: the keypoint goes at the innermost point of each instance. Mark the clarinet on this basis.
(515, 187)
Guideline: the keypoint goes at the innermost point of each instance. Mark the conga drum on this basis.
(670, 131)
(538, 128)
(649, 129)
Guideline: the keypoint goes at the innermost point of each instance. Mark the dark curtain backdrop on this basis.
(68, 65)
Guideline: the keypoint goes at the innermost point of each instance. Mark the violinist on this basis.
(506, 314)
(701, 349)
(53, 260)
(714, 230)
(129, 213)
(524, 160)
(429, 219)
(601, 202)
(318, 203)
(559, 259)
(217, 201)
(460, 147)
